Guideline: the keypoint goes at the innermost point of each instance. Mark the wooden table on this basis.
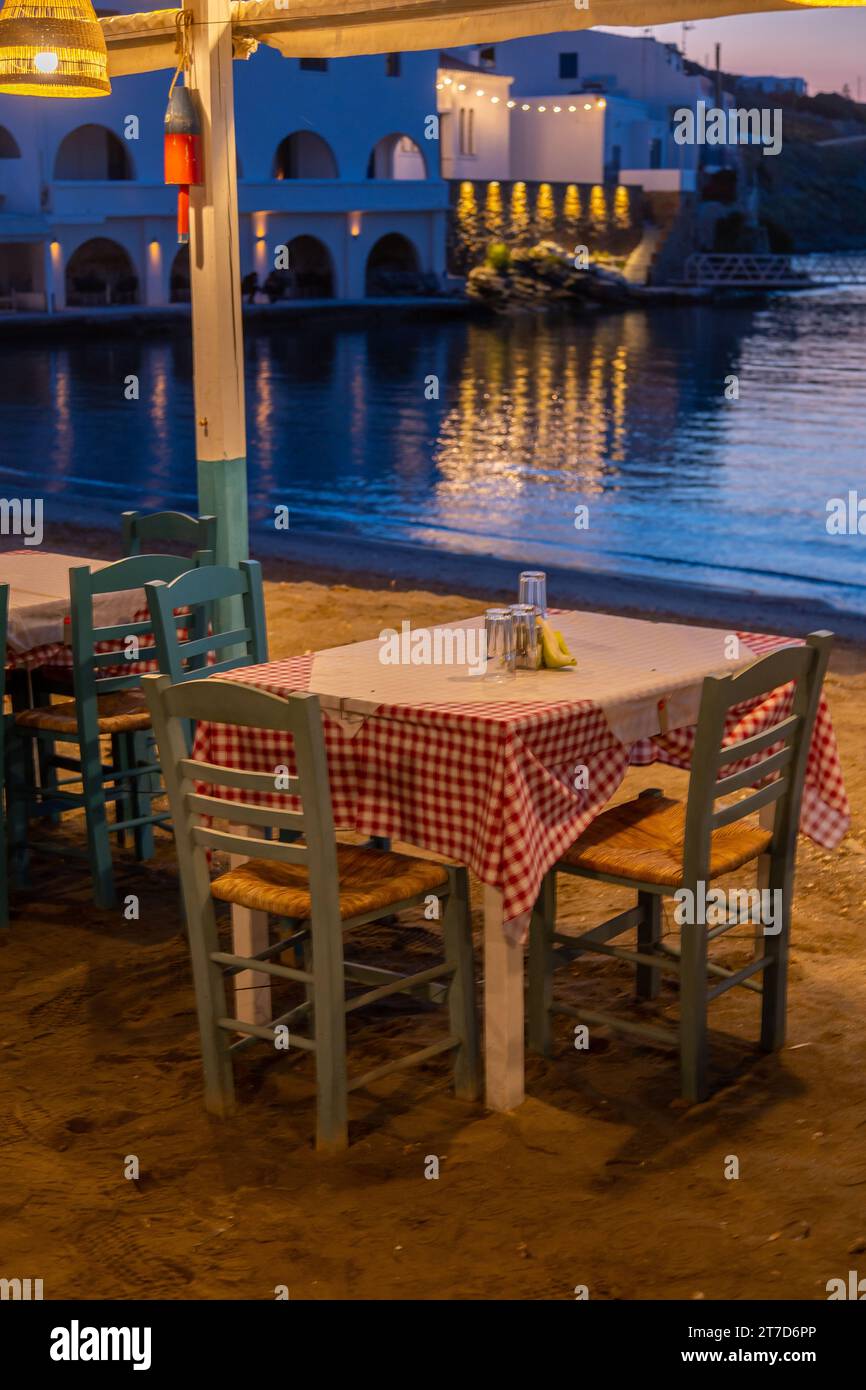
(484, 774)
(37, 632)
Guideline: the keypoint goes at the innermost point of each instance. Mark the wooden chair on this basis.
(320, 887)
(184, 654)
(179, 528)
(104, 704)
(659, 846)
(4, 863)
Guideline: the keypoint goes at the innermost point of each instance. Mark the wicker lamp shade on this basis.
(52, 48)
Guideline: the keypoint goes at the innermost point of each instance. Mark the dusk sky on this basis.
(827, 47)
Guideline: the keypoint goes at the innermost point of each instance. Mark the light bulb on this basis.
(509, 104)
(46, 61)
(542, 108)
(587, 106)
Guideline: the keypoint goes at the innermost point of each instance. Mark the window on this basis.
(487, 57)
(567, 65)
(313, 64)
(467, 130)
(392, 64)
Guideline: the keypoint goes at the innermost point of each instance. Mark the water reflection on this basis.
(484, 436)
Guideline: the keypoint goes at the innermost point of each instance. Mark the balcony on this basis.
(86, 201)
(83, 200)
(342, 196)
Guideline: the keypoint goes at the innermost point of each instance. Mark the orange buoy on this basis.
(182, 152)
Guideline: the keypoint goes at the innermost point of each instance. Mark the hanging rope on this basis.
(182, 45)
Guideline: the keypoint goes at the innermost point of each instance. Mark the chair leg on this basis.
(98, 846)
(45, 748)
(142, 794)
(329, 1032)
(541, 962)
(4, 863)
(649, 933)
(18, 801)
(457, 930)
(774, 1000)
(123, 799)
(693, 1012)
(210, 999)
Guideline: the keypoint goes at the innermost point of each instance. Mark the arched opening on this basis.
(178, 280)
(396, 157)
(92, 152)
(392, 267)
(304, 155)
(310, 274)
(100, 272)
(8, 144)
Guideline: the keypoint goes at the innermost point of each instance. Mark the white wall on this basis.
(352, 106)
(491, 125)
(567, 148)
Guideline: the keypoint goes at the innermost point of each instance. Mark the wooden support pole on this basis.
(215, 280)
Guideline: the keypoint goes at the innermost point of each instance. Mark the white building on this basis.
(616, 97)
(334, 162)
(341, 162)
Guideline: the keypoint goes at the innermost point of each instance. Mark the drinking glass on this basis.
(499, 632)
(527, 637)
(533, 589)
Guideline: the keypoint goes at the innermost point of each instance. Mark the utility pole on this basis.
(215, 280)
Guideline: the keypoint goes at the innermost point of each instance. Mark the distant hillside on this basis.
(813, 194)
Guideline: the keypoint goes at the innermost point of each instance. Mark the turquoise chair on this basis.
(4, 863)
(657, 847)
(141, 529)
(319, 889)
(185, 653)
(104, 705)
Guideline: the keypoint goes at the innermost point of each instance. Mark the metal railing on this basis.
(744, 270)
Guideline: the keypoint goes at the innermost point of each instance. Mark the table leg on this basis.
(503, 1009)
(249, 935)
(766, 820)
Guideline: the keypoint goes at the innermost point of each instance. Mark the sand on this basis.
(602, 1178)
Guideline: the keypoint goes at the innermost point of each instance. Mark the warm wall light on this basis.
(461, 86)
(525, 106)
(587, 106)
(355, 223)
(509, 104)
(52, 48)
(601, 104)
(480, 92)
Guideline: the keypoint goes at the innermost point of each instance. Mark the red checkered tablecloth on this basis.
(492, 785)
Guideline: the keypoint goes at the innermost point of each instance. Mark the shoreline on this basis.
(329, 558)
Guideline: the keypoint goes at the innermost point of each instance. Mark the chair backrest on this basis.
(297, 717)
(185, 654)
(141, 529)
(779, 752)
(4, 618)
(127, 643)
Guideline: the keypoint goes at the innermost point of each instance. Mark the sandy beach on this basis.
(602, 1178)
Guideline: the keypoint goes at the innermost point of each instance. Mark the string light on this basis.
(511, 103)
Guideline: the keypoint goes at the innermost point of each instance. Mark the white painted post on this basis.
(215, 277)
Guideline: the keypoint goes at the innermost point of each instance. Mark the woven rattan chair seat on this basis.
(123, 712)
(369, 879)
(643, 840)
